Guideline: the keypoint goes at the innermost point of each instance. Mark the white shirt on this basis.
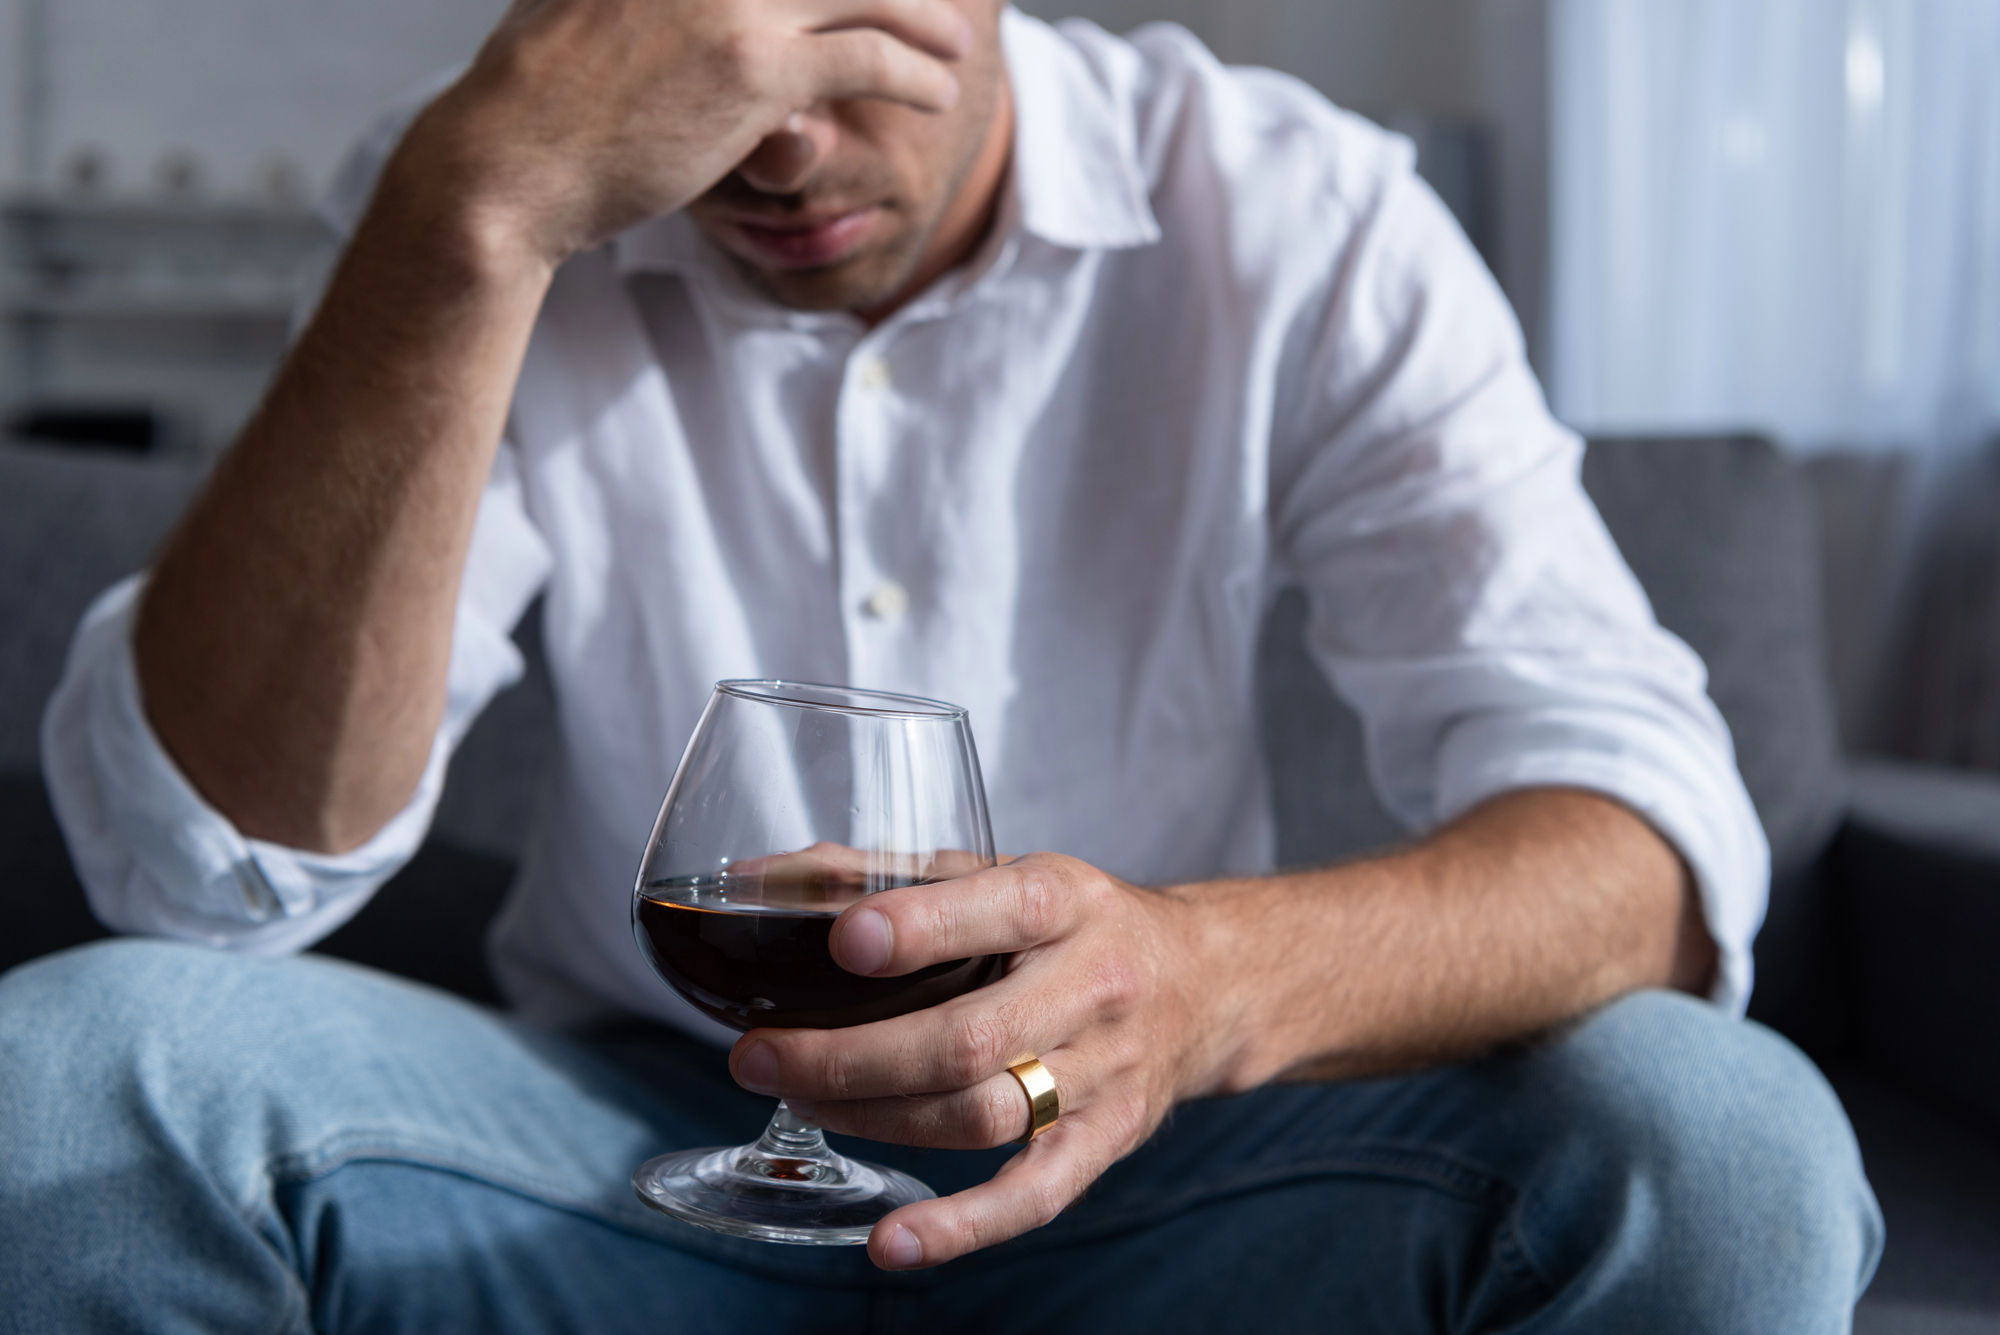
(1221, 338)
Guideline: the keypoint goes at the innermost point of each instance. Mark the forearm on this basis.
(1528, 910)
(293, 641)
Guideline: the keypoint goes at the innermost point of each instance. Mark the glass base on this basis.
(787, 1187)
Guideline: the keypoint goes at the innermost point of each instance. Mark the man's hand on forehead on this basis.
(580, 118)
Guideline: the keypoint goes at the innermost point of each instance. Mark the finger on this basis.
(869, 63)
(824, 858)
(950, 1047)
(835, 869)
(855, 865)
(992, 1113)
(945, 863)
(994, 912)
(1030, 1190)
(932, 26)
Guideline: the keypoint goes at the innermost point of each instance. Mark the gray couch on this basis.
(1885, 917)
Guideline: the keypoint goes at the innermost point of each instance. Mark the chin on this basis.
(861, 284)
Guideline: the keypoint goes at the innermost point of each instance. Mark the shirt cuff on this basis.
(1695, 803)
(153, 855)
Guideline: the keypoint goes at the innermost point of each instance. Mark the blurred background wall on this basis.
(238, 84)
(157, 166)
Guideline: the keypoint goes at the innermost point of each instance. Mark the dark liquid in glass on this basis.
(766, 962)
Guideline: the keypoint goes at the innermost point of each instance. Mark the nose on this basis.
(787, 157)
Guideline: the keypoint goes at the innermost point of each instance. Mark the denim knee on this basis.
(79, 1030)
(111, 996)
(1703, 1174)
(187, 1046)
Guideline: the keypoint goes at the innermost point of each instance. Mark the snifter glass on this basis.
(792, 802)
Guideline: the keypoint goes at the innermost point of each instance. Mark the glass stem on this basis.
(789, 1150)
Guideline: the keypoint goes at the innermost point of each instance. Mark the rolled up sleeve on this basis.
(1466, 597)
(153, 855)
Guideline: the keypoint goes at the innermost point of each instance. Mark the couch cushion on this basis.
(1938, 1180)
(41, 904)
(1720, 531)
(1322, 800)
(1941, 701)
(429, 922)
(1923, 923)
(496, 774)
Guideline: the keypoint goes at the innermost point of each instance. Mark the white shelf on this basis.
(142, 304)
(148, 209)
(180, 304)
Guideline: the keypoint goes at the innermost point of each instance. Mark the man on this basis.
(921, 346)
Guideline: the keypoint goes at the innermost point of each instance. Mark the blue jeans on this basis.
(194, 1141)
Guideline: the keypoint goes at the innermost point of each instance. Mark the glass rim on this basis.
(771, 691)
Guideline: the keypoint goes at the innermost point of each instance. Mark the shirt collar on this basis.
(1077, 175)
(1076, 179)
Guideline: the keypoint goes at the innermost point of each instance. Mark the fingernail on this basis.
(864, 942)
(802, 1109)
(901, 1250)
(758, 1069)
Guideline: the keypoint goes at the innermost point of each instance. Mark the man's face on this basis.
(841, 210)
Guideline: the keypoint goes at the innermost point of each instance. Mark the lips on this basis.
(809, 244)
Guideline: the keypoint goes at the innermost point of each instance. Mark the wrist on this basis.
(1265, 955)
(448, 195)
(1228, 986)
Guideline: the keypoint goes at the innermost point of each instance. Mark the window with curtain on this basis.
(1778, 214)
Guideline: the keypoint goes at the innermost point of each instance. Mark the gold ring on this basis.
(1044, 1104)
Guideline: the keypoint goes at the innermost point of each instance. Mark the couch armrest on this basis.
(1948, 810)
(1917, 872)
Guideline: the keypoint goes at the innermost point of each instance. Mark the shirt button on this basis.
(875, 376)
(891, 600)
